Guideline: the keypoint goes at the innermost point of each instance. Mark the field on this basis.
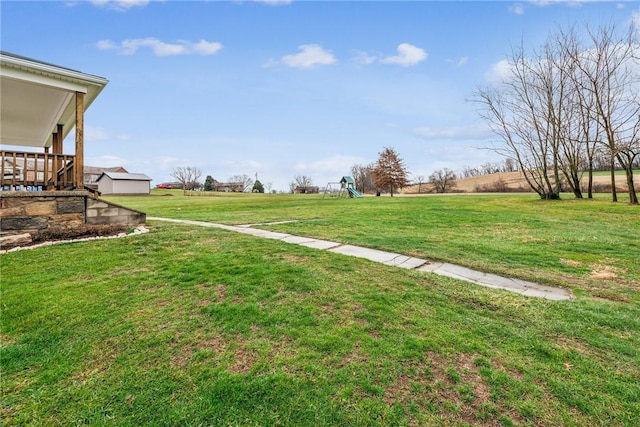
(199, 326)
(514, 181)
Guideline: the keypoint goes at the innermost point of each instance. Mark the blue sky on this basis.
(283, 88)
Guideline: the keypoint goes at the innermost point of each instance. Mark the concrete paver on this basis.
(370, 254)
(320, 244)
(494, 281)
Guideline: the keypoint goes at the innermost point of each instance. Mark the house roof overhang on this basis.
(36, 96)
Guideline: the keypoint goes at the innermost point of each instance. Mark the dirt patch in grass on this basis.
(214, 345)
(208, 294)
(604, 272)
(295, 259)
(355, 357)
(454, 386)
(107, 353)
(244, 360)
(374, 333)
(609, 295)
(6, 341)
(182, 358)
(578, 346)
(570, 263)
(206, 243)
(221, 292)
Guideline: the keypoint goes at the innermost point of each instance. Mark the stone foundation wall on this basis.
(28, 212)
(100, 212)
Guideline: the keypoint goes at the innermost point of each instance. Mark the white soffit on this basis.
(36, 97)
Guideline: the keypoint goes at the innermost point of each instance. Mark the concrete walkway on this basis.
(397, 260)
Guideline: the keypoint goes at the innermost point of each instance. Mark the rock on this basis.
(10, 241)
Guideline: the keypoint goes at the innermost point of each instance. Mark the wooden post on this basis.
(57, 140)
(78, 163)
(57, 150)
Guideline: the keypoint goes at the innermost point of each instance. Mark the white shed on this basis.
(124, 183)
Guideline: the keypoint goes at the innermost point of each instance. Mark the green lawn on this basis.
(198, 326)
(618, 172)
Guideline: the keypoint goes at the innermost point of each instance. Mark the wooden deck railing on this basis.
(36, 171)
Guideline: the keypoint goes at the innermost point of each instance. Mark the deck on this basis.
(29, 171)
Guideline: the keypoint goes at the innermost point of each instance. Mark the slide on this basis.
(355, 193)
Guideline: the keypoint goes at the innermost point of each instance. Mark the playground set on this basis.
(346, 187)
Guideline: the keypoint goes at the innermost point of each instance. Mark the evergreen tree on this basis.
(257, 187)
(208, 183)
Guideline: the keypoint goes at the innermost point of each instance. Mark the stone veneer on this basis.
(29, 211)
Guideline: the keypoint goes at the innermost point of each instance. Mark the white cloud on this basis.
(106, 45)
(363, 58)
(459, 62)
(309, 56)
(408, 55)
(498, 72)
(121, 5)
(635, 20)
(160, 48)
(517, 8)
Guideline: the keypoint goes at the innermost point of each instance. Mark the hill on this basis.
(515, 182)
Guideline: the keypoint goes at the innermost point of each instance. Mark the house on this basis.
(42, 180)
(228, 186)
(41, 104)
(124, 183)
(310, 189)
(92, 173)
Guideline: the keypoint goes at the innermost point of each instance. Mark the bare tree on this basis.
(443, 180)
(581, 141)
(420, 180)
(521, 112)
(509, 165)
(469, 172)
(610, 78)
(555, 105)
(390, 171)
(363, 176)
(187, 176)
(301, 183)
(244, 181)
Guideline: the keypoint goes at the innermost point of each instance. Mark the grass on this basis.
(586, 245)
(617, 172)
(199, 326)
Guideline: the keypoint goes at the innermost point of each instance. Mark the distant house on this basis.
(236, 187)
(92, 173)
(124, 183)
(310, 189)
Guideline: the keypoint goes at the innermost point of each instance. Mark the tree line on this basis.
(189, 179)
(570, 107)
